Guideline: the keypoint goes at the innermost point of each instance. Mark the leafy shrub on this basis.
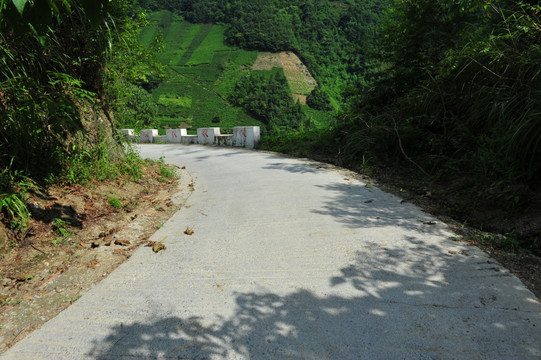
(114, 202)
(167, 171)
(269, 101)
(319, 100)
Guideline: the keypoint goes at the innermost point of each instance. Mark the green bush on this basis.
(114, 202)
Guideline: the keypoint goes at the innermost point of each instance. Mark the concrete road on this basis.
(293, 261)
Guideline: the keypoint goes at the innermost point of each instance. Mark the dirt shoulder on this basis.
(78, 236)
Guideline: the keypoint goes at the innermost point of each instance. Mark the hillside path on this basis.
(291, 260)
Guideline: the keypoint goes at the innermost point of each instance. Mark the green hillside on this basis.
(201, 74)
(201, 71)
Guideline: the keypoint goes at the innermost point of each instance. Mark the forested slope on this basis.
(331, 37)
(64, 66)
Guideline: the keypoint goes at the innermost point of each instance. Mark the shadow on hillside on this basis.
(389, 305)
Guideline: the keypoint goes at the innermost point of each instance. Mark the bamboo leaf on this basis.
(19, 5)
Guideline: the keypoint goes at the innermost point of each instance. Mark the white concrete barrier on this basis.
(188, 139)
(223, 140)
(147, 135)
(207, 135)
(246, 136)
(243, 136)
(127, 132)
(174, 136)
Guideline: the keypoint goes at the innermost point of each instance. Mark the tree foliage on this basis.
(319, 99)
(269, 100)
(54, 63)
(463, 76)
(48, 66)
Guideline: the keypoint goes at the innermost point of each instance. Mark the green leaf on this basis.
(19, 4)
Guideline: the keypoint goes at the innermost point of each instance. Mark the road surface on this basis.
(290, 260)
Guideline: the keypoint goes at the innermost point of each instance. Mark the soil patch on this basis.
(77, 236)
(300, 81)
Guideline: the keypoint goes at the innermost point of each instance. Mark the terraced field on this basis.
(202, 72)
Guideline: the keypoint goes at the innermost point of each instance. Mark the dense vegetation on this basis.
(59, 63)
(463, 77)
(269, 100)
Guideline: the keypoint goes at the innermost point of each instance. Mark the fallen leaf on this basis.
(109, 232)
(108, 240)
(183, 168)
(150, 244)
(122, 242)
(92, 264)
(81, 243)
(188, 231)
(158, 247)
(61, 269)
(452, 252)
(16, 278)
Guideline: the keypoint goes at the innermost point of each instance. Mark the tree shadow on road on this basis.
(357, 206)
(389, 305)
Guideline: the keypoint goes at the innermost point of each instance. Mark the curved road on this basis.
(290, 260)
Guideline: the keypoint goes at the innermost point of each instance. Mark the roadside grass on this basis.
(114, 202)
